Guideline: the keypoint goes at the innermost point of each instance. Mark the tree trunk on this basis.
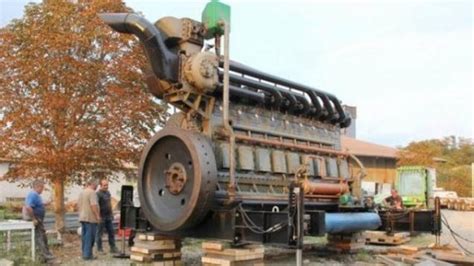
(59, 205)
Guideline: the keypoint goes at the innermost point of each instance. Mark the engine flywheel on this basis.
(177, 179)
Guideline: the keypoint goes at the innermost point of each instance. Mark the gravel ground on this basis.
(461, 222)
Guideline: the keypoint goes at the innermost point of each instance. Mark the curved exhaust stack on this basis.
(163, 62)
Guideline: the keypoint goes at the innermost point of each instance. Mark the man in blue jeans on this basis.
(105, 206)
(34, 210)
(89, 217)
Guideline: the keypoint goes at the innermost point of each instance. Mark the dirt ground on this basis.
(461, 222)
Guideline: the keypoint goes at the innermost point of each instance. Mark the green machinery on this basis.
(416, 184)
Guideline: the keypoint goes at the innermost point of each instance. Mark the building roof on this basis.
(363, 148)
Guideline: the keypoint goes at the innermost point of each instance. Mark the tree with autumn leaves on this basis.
(452, 157)
(73, 102)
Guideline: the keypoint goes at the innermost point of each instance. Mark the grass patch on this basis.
(192, 245)
(315, 240)
(9, 211)
(20, 249)
(422, 240)
(363, 255)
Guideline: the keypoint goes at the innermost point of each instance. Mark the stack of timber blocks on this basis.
(220, 253)
(347, 243)
(156, 249)
(382, 238)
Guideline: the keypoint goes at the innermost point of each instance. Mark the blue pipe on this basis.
(351, 222)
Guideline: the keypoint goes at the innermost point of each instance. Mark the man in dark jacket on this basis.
(107, 217)
(394, 202)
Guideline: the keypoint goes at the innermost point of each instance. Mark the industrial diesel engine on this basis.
(226, 168)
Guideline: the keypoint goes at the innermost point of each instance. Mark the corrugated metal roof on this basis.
(364, 148)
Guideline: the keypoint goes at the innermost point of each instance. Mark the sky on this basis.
(406, 65)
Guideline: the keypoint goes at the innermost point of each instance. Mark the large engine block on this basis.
(201, 168)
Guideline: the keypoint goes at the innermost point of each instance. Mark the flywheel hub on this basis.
(175, 178)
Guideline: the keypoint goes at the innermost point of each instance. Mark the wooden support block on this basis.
(458, 259)
(154, 237)
(142, 236)
(172, 255)
(237, 253)
(408, 250)
(379, 237)
(235, 256)
(168, 263)
(220, 253)
(210, 245)
(153, 249)
(157, 244)
(176, 257)
(222, 261)
(140, 257)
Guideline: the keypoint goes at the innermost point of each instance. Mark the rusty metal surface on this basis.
(320, 188)
(243, 134)
(176, 178)
(280, 144)
(173, 210)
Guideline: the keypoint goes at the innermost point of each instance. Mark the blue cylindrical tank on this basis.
(351, 222)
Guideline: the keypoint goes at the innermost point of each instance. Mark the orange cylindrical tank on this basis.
(317, 188)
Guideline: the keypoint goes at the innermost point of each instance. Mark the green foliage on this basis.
(451, 156)
(364, 255)
(7, 211)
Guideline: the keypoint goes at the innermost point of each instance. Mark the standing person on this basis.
(107, 217)
(34, 210)
(89, 217)
(394, 201)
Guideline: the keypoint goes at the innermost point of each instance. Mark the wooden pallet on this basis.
(156, 249)
(221, 253)
(445, 255)
(381, 238)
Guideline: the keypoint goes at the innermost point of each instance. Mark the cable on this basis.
(455, 235)
(255, 228)
(445, 222)
(396, 216)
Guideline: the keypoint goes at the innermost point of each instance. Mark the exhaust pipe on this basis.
(330, 109)
(163, 62)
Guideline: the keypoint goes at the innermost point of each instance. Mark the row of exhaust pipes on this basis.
(292, 98)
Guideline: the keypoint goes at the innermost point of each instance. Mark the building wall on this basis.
(351, 130)
(15, 190)
(380, 170)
